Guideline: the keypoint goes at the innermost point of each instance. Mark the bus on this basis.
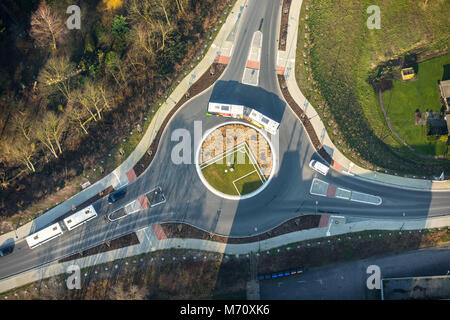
(80, 217)
(43, 236)
(225, 110)
(262, 121)
(242, 112)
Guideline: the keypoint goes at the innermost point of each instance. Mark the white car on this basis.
(319, 167)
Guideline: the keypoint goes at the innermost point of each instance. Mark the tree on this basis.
(50, 132)
(76, 113)
(114, 65)
(180, 6)
(47, 27)
(20, 150)
(93, 97)
(162, 4)
(119, 26)
(57, 72)
(83, 101)
(144, 38)
(23, 123)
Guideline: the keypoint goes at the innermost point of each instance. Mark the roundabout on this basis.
(235, 160)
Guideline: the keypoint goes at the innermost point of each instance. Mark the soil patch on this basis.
(284, 24)
(181, 230)
(122, 242)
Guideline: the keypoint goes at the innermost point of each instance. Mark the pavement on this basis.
(151, 240)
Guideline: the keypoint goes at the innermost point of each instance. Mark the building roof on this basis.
(434, 287)
(445, 88)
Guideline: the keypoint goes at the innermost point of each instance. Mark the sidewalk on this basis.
(286, 63)
(221, 46)
(149, 242)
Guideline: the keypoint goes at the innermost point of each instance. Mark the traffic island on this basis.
(235, 160)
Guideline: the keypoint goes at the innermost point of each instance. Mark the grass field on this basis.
(406, 97)
(234, 172)
(341, 53)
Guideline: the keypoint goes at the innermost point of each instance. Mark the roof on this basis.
(433, 287)
(445, 88)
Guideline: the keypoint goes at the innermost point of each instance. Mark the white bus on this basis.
(226, 110)
(262, 121)
(80, 217)
(41, 237)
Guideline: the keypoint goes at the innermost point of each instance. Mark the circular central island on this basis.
(235, 160)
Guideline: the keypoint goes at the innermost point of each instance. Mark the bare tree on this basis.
(50, 132)
(141, 11)
(20, 150)
(162, 4)
(58, 72)
(93, 97)
(106, 96)
(47, 27)
(114, 66)
(80, 116)
(180, 6)
(144, 38)
(23, 123)
(83, 101)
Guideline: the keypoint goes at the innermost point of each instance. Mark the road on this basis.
(188, 200)
(347, 281)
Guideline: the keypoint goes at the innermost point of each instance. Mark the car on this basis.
(6, 250)
(116, 195)
(319, 167)
(299, 270)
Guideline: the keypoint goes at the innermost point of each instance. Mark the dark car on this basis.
(6, 250)
(116, 195)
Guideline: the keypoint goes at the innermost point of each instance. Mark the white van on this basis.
(319, 167)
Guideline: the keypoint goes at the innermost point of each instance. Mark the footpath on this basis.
(152, 239)
(220, 51)
(286, 66)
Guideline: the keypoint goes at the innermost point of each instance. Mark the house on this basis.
(408, 73)
(444, 88)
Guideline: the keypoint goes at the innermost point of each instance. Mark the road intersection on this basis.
(186, 198)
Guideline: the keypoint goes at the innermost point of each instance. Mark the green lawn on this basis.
(336, 55)
(406, 97)
(223, 181)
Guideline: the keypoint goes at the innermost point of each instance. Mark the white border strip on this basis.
(227, 196)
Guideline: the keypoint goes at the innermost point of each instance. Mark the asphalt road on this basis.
(189, 201)
(347, 281)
